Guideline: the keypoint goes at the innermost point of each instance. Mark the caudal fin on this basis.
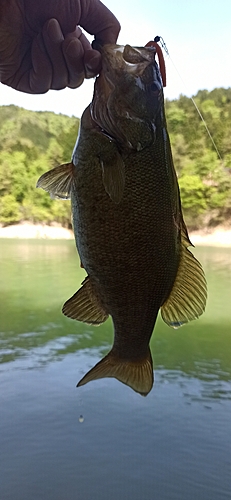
(136, 374)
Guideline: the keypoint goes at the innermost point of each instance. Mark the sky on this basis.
(198, 37)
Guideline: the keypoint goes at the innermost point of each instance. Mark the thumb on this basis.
(98, 20)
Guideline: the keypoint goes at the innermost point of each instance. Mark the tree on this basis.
(33, 142)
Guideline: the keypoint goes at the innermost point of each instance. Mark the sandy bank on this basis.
(218, 237)
(33, 231)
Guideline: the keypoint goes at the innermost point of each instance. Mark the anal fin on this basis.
(188, 296)
(58, 181)
(85, 306)
(136, 374)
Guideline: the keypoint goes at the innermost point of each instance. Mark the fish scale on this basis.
(127, 217)
(109, 230)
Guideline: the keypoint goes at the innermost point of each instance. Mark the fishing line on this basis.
(163, 45)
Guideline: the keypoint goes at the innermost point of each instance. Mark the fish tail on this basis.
(136, 374)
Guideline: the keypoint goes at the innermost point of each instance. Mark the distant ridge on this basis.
(32, 142)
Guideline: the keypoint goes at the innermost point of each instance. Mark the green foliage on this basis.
(193, 194)
(204, 179)
(9, 209)
(33, 142)
(30, 144)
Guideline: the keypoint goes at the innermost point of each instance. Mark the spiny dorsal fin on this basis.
(58, 181)
(185, 240)
(113, 176)
(187, 299)
(137, 375)
(85, 306)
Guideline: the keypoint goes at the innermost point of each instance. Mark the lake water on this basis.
(103, 441)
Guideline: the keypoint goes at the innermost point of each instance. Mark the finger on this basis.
(92, 58)
(37, 79)
(53, 39)
(92, 63)
(98, 20)
(73, 51)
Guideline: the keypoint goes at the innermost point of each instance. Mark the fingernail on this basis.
(54, 30)
(93, 66)
(74, 49)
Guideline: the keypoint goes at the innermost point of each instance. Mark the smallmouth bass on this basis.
(127, 217)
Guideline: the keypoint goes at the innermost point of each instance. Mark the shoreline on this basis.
(26, 230)
(220, 237)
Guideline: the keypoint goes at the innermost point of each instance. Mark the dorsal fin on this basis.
(85, 305)
(188, 296)
(58, 181)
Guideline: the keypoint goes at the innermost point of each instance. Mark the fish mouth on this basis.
(125, 57)
(128, 93)
(133, 56)
(133, 61)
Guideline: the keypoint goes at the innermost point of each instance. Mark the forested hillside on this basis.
(30, 144)
(205, 181)
(33, 142)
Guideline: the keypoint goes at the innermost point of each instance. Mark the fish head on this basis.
(128, 95)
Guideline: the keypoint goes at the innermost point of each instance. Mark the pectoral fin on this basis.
(187, 299)
(137, 375)
(58, 181)
(85, 306)
(113, 175)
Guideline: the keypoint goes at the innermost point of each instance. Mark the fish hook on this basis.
(153, 43)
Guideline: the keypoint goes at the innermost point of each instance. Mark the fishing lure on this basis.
(154, 43)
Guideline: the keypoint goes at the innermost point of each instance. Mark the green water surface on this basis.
(103, 440)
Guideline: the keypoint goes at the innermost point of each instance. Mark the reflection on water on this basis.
(61, 442)
(37, 278)
(211, 388)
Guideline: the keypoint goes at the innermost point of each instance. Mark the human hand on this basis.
(42, 46)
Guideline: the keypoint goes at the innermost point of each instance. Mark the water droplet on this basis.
(81, 419)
